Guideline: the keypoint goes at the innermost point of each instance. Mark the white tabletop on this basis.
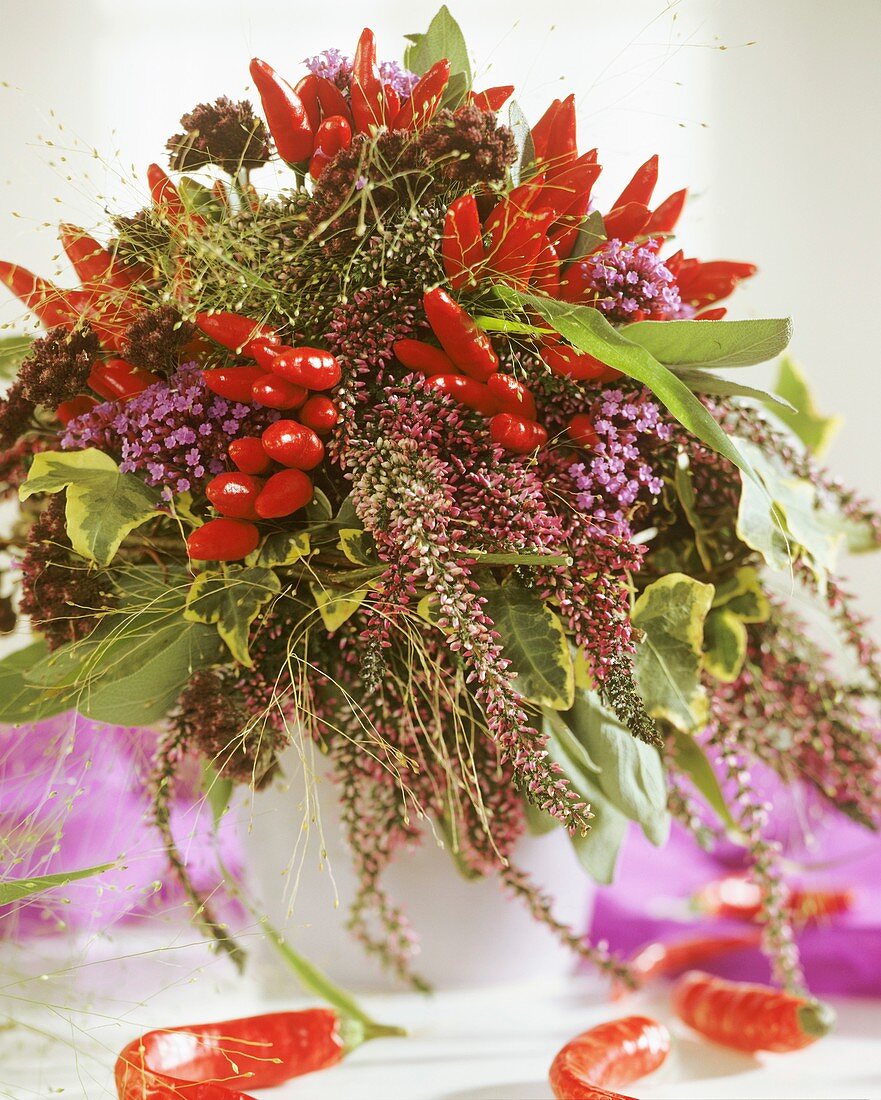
(491, 1044)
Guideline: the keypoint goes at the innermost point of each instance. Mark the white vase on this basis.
(471, 932)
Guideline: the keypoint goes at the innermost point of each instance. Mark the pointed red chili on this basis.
(576, 282)
(166, 198)
(92, 262)
(118, 380)
(626, 222)
(511, 395)
(462, 247)
(332, 100)
(51, 305)
(417, 355)
(665, 216)
(711, 314)
(570, 186)
(541, 131)
(333, 134)
(218, 540)
(703, 283)
(516, 254)
(642, 185)
(561, 145)
(233, 383)
(368, 101)
(570, 363)
(391, 102)
(286, 115)
(492, 99)
(467, 391)
(470, 348)
(424, 99)
(516, 433)
(76, 406)
(236, 332)
(521, 200)
(306, 89)
(546, 273)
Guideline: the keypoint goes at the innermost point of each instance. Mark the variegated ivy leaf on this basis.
(336, 605)
(232, 600)
(671, 614)
(724, 644)
(358, 546)
(103, 505)
(813, 428)
(281, 548)
(743, 595)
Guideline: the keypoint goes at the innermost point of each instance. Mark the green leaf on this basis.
(683, 483)
(591, 235)
(631, 774)
(103, 505)
(813, 428)
(588, 330)
(13, 351)
(455, 92)
(358, 546)
(232, 601)
(443, 39)
(518, 124)
(199, 199)
(692, 760)
(336, 605)
(724, 644)
(671, 613)
(14, 889)
(743, 594)
(282, 548)
(711, 343)
(218, 791)
(704, 381)
(21, 700)
(534, 641)
(319, 507)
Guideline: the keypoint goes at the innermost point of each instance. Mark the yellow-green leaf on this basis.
(743, 594)
(336, 605)
(280, 549)
(358, 546)
(814, 429)
(232, 601)
(724, 644)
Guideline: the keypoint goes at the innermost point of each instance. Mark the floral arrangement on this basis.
(425, 457)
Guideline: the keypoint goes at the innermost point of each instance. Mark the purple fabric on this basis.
(649, 901)
(74, 796)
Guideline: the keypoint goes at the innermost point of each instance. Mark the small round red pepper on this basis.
(223, 540)
(517, 434)
(233, 494)
(417, 355)
(511, 395)
(310, 367)
(118, 380)
(320, 414)
(467, 391)
(283, 494)
(293, 444)
(582, 431)
(234, 383)
(467, 345)
(247, 455)
(278, 393)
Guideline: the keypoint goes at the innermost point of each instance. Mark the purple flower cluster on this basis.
(631, 279)
(610, 484)
(173, 434)
(336, 67)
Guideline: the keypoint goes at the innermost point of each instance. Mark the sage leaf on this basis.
(443, 39)
(813, 428)
(711, 343)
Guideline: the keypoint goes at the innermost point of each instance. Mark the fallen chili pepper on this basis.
(223, 540)
(118, 380)
(286, 116)
(320, 414)
(748, 1016)
(234, 494)
(468, 346)
(511, 395)
(278, 393)
(238, 333)
(417, 355)
(462, 248)
(310, 367)
(517, 434)
(657, 959)
(293, 444)
(234, 383)
(283, 494)
(611, 1054)
(467, 391)
(425, 98)
(738, 898)
(366, 91)
(247, 454)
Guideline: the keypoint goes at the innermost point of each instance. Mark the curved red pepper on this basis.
(516, 254)
(47, 302)
(576, 282)
(217, 540)
(702, 283)
(627, 222)
(391, 101)
(642, 186)
(366, 91)
(462, 248)
(541, 131)
(665, 216)
(425, 98)
(306, 89)
(470, 349)
(568, 188)
(286, 115)
(76, 406)
(284, 493)
(236, 332)
(166, 198)
(571, 363)
(611, 1054)
(546, 273)
(417, 355)
(491, 99)
(92, 262)
(467, 391)
(332, 100)
(657, 959)
(333, 134)
(511, 395)
(516, 433)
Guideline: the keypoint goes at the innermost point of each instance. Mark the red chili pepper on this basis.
(320, 414)
(655, 960)
(425, 98)
(293, 444)
(118, 380)
(462, 248)
(665, 216)
(233, 494)
(546, 273)
(702, 283)
(286, 116)
(467, 391)
(223, 540)
(306, 89)
(234, 383)
(76, 406)
(711, 314)
(570, 185)
(582, 431)
(560, 146)
(491, 99)
(391, 101)
(737, 898)
(278, 393)
(747, 1016)
(514, 257)
(47, 302)
(417, 355)
(332, 100)
(310, 367)
(167, 200)
(366, 91)
(516, 433)
(541, 131)
(238, 333)
(470, 349)
(626, 222)
(247, 455)
(511, 396)
(570, 363)
(333, 134)
(611, 1054)
(284, 493)
(92, 262)
(642, 186)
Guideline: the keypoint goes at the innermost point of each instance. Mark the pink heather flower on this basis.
(173, 434)
(630, 282)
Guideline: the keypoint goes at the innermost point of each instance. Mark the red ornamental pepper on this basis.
(234, 383)
(747, 1016)
(578, 365)
(425, 98)
(247, 455)
(234, 494)
(278, 393)
(546, 273)
(516, 433)
(238, 333)
(417, 355)
(567, 188)
(92, 262)
(285, 113)
(612, 1054)
(665, 216)
(470, 349)
(711, 314)
(118, 380)
(293, 444)
(310, 367)
(738, 898)
(306, 89)
(223, 540)
(47, 302)
(492, 99)
(655, 960)
(514, 256)
(642, 186)
(333, 134)
(366, 91)
(627, 222)
(76, 406)
(511, 396)
(582, 431)
(462, 248)
(702, 283)
(467, 391)
(209, 1061)
(284, 493)
(167, 200)
(392, 101)
(331, 99)
(320, 414)
(553, 135)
